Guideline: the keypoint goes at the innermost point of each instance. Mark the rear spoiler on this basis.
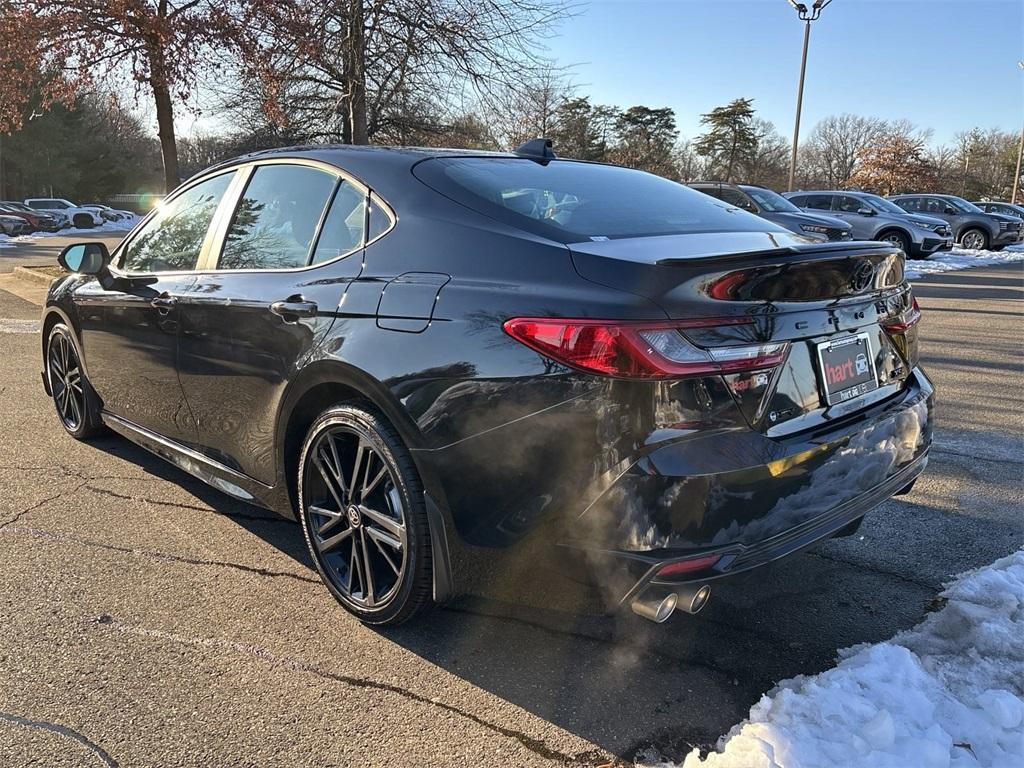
(852, 246)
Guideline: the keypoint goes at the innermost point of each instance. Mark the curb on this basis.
(27, 273)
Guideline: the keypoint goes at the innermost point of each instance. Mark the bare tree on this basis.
(766, 161)
(832, 149)
(361, 70)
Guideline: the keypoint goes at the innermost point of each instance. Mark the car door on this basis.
(129, 323)
(268, 294)
(848, 208)
(937, 206)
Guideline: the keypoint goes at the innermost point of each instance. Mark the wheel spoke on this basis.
(335, 518)
(383, 537)
(370, 486)
(330, 543)
(387, 558)
(329, 483)
(74, 406)
(337, 466)
(387, 523)
(353, 482)
(55, 364)
(367, 569)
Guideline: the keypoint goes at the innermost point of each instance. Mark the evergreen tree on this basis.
(730, 136)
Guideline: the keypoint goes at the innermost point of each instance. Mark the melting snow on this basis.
(962, 258)
(948, 693)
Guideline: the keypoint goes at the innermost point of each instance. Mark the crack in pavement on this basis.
(193, 507)
(947, 452)
(63, 730)
(537, 746)
(153, 554)
(33, 507)
(881, 571)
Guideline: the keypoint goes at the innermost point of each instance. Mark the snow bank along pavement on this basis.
(948, 693)
(962, 258)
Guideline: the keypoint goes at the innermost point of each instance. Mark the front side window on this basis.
(737, 198)
(172, 239)
(770, 201)
(933, 205)
(276, 219)
(909, 203)
(345, 224)
(848, 204)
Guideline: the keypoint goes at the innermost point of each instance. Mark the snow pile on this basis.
(961, 258)
(947, 694)
(108, 226)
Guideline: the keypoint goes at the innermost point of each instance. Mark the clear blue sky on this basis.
(944, 64)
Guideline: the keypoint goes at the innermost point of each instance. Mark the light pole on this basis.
(1020, 153)
(807, 15)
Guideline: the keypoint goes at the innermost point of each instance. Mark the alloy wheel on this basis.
(973, 240)
(356, 517)
(65, 376)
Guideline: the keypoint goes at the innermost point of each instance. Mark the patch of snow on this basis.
(948, 693)
(961, 258)
(108, 227)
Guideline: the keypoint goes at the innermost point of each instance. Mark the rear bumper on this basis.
(704, 497)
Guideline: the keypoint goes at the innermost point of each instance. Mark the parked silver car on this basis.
(875, 218)
(972, 227)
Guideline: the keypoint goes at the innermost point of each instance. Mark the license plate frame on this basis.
(855, 383)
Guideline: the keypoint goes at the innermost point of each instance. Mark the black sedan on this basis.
(452, 365)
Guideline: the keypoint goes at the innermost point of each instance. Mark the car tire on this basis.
(363, 515)
(83, 221)
(76, 403)
(974, 238)
(899, 239)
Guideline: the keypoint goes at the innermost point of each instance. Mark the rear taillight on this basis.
(683, 567)
(640, 350)
(906, 321)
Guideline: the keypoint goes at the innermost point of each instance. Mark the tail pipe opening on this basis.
(657, 607)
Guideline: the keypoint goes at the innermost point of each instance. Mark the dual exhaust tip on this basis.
(657, 607)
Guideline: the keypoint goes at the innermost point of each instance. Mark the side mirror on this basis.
(866, 211)
(84, 258)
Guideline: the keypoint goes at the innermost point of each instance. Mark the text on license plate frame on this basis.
(837, 393)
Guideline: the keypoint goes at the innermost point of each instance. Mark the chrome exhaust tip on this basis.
(656, 609)
(692, 598)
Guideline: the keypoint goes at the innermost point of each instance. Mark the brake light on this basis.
(908, 320)
(640, 350)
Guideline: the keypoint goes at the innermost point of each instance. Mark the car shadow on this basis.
(616, 680)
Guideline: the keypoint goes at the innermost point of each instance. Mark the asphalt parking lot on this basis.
(151, 621)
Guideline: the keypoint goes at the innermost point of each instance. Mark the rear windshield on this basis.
(572, 202)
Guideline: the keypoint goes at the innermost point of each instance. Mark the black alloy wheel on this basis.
(363, 516)
(74, 400)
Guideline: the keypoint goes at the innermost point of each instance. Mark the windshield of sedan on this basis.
(770, 201)
(571, 202)
(881, 204)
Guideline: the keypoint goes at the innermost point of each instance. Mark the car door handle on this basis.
(291, 308)
(163, 302)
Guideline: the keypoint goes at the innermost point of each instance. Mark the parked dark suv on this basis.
(1007, 209)
(972, 227)
(774, 207)
(455, 366)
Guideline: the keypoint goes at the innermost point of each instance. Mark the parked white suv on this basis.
(81, 218)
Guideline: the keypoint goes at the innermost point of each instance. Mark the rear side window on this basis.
(345, 224)
(276, 219)
(571, 202)
(380, 219)
(817, 202)
(172, 239)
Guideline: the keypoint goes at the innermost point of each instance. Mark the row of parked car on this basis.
(51, 214)
(920, 224)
